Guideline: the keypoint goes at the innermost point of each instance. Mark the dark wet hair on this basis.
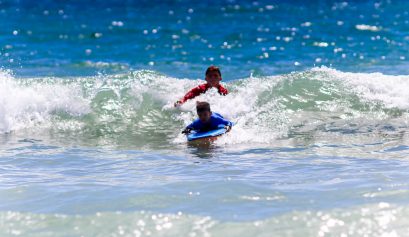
(202, 106)
(213, 69)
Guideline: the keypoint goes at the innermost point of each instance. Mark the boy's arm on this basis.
(224, 122)
(191, 94)
(222, 90)
(228, 124)
(190, 127)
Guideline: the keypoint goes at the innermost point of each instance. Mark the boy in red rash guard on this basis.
(213, 78)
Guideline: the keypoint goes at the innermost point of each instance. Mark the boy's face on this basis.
(213, 78)
(204, 116)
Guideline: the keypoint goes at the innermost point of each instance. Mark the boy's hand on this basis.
(186, 131)
(228, 128)
(178, 103)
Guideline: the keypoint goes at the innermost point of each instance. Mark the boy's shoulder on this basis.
(203, 85)
(217, 115)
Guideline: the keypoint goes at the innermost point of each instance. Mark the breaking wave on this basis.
(138, 106)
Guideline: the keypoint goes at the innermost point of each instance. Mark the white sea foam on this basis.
(391, 91)
(23, 106)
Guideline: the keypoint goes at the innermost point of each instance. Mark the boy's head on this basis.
(203, 111)
(213, 76)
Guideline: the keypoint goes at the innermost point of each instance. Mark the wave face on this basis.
(320, 103)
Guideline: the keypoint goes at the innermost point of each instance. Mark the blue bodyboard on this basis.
(199, 135)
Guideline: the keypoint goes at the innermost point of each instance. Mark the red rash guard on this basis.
(202, 89)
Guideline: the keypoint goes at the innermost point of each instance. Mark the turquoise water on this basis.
(91, 143)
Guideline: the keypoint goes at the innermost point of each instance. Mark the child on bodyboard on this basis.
(207, 120)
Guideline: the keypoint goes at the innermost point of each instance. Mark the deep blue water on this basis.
(181, 38)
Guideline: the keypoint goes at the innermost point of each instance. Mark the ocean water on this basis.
(90, 142)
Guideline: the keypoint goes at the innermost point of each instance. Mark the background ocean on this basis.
(90, 143)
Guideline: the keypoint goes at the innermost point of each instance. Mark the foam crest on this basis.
(25, 104)
(391, 91)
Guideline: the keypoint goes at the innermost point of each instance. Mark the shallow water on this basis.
(90, 142)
